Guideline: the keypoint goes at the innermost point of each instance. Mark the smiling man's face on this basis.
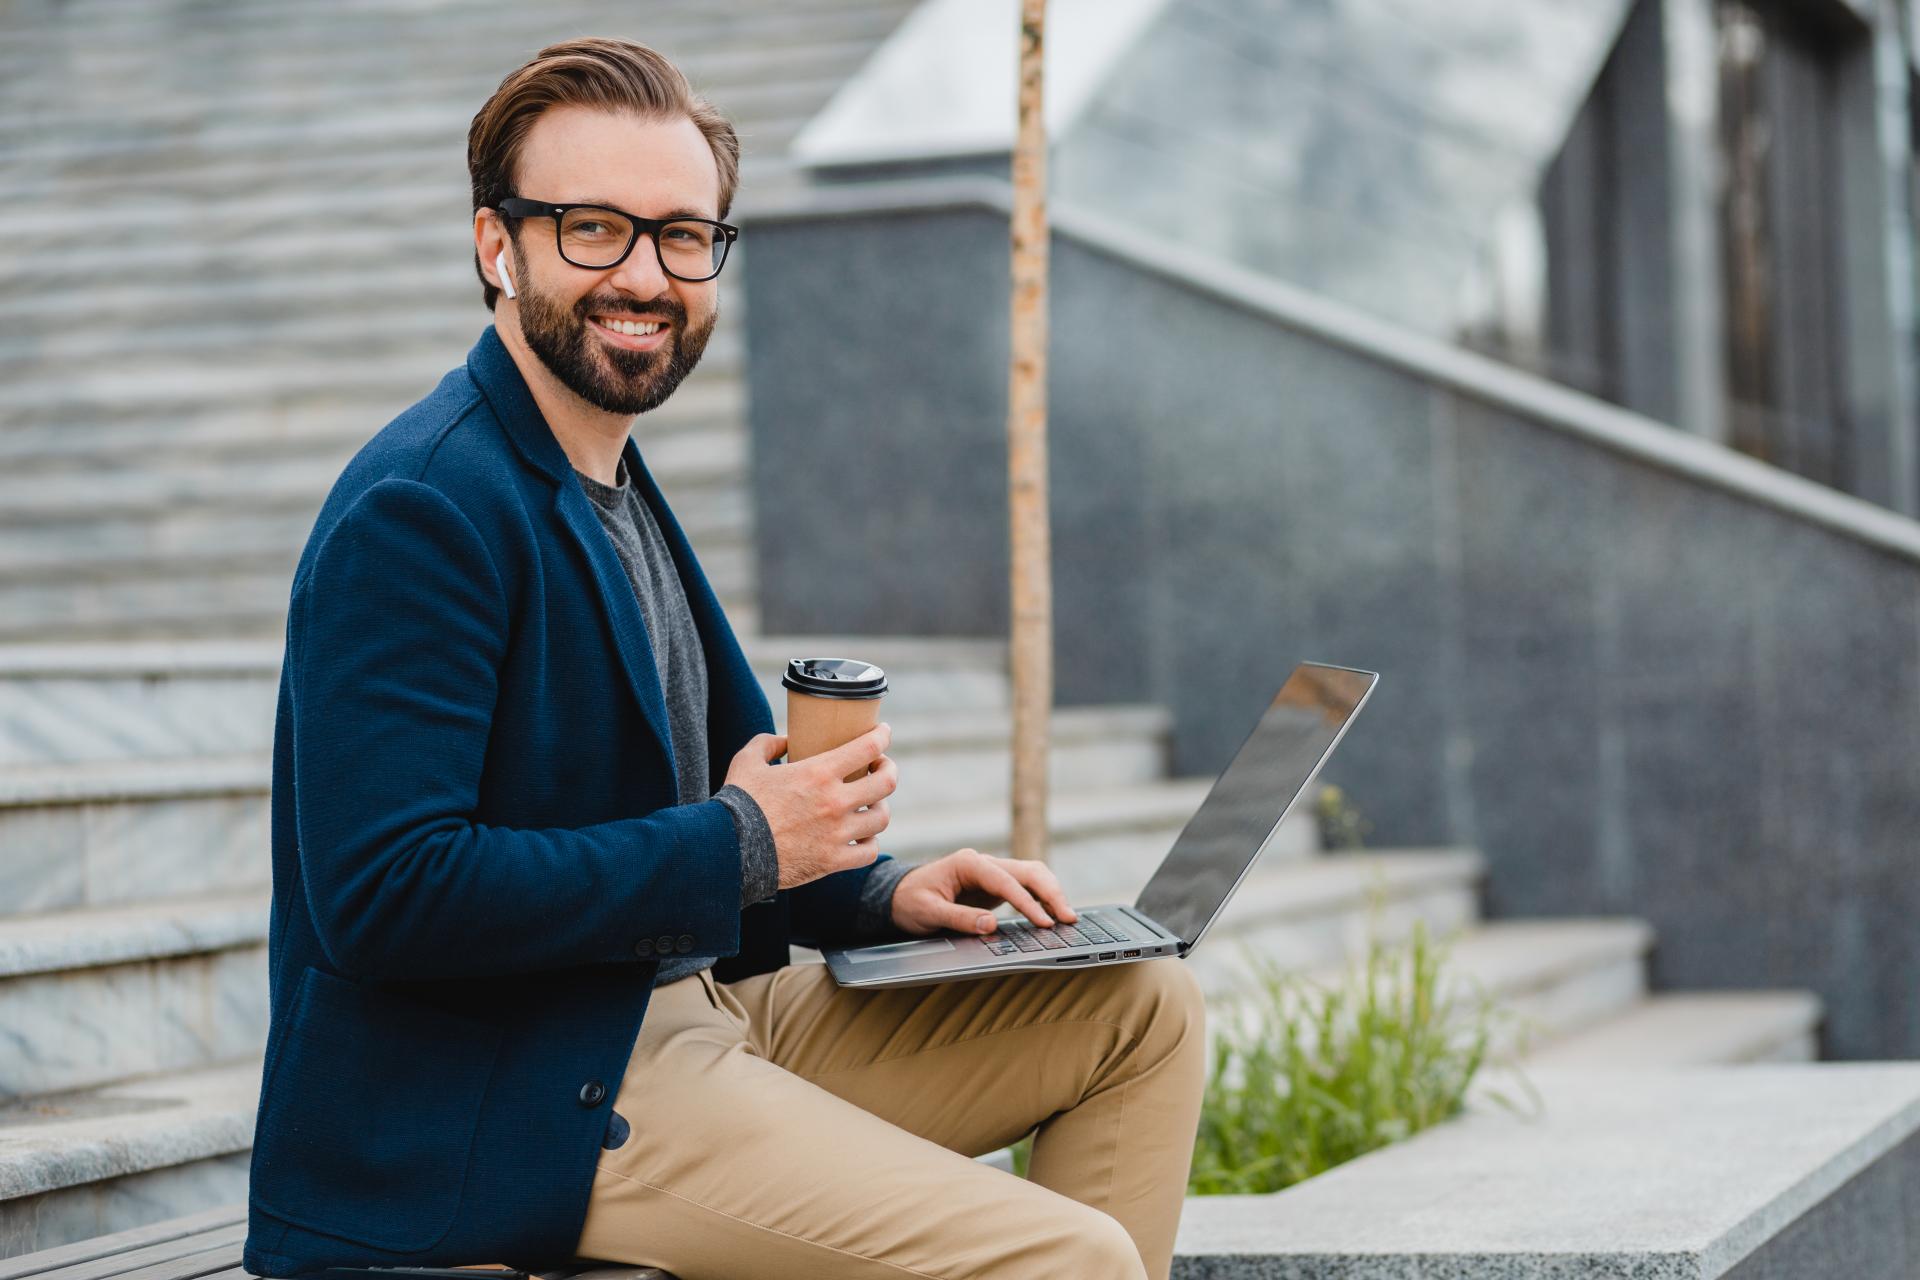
(650, 168)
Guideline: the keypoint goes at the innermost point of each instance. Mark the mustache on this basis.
(670, 310)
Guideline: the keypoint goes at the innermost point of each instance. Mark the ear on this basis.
(500, 268)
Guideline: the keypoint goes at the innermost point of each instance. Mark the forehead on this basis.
(648, 167)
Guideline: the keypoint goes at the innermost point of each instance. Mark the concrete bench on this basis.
(206, 1246)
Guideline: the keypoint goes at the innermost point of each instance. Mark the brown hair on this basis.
(593, 71)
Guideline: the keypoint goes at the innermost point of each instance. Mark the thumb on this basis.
(768, 747)
(962, 919)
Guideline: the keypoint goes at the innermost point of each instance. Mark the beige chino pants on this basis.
(785, 1127)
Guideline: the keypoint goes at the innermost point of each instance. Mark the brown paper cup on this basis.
(845, 703)
(821, 724)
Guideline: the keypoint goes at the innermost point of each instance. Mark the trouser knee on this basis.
(1162, 999)
(1102, 1249)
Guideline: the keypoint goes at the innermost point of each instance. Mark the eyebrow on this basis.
(671, 213)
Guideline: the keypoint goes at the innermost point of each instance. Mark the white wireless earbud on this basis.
(500, 265)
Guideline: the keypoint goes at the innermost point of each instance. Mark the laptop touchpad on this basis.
(894, 950)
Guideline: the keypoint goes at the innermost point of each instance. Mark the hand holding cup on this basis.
(817, 816)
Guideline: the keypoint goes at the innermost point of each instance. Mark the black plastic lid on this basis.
(835, 678)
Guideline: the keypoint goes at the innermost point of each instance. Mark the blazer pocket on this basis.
(368, 1113)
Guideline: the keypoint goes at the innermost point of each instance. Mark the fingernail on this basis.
(986, 923)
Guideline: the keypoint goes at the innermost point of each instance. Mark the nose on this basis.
(640, 274)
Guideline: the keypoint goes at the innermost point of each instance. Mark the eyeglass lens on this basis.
(596, 237)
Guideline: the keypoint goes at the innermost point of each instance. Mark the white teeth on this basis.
(632, 328)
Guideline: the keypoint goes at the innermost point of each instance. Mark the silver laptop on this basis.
(1219, 845)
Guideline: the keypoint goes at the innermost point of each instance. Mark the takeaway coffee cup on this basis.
(831, 701)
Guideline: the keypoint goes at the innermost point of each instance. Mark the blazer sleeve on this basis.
(399, 631)
(826, 912)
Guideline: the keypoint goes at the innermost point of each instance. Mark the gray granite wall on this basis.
(1637, 687)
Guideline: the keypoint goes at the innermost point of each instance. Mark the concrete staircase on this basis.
(217, 287)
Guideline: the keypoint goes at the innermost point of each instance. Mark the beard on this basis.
(605, 376)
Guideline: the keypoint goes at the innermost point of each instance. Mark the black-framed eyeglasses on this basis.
(598, 236)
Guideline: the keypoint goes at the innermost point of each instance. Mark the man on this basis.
(536, 872)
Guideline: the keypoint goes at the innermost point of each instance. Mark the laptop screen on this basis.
(1220, 843)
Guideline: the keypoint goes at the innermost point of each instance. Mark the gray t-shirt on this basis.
(682, 665)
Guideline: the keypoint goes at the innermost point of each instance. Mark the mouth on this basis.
(630, 342)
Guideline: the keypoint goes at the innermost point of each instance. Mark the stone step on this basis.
(351, 125)
(703, 476)
(240, 602)
(137, 700)
(132, 389)
(391, 47)
(113, 524)
(1550, 977)
(103, 993)
(117, 832)
(719, 70)
(228, 429)
(1742, 1172)
(1310, 912)
(225, 25)
(1692, 1028)
(95, 833)
(77, 1164)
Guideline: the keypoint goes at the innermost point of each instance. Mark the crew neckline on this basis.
(613, 492)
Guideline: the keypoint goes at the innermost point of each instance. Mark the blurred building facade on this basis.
(1701, 210)
(1622, 676)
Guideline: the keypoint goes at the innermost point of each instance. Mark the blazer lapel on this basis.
(736, 706)
(621, 607)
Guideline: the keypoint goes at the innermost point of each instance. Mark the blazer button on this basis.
(683, 943)
(643, 948)
(591, 1093)
(664, 944)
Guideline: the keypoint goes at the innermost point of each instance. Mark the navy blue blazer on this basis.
(478, 854)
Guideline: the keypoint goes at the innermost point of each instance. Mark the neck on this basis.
(591, 437)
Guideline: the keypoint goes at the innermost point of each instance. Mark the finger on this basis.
(993, 875)
(869, 822)
(1038, 877)
(857, 753)
(860, 853)
(877, 785)
(772, 745)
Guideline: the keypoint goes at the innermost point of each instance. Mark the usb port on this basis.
(1129, 953)
(1108, 955)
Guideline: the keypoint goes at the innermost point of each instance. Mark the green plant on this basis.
(1306, 1076)
(1342, 825)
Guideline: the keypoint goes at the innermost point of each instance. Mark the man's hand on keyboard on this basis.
(949, 892)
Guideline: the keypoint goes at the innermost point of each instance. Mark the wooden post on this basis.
(1032, 602)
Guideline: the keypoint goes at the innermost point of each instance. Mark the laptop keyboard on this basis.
(1088, 930)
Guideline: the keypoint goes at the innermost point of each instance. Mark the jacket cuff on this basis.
(759, 865)
(873, 917)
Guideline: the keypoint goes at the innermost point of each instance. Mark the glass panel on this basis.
(593, 237)
(691, 248)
